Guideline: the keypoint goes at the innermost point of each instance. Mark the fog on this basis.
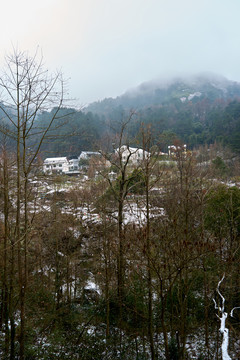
(106, 47)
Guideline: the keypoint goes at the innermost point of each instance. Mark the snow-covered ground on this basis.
(134, 210)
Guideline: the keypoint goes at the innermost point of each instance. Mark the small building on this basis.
(131, 154)
(61, 165)
(87, 155)
(57, 165)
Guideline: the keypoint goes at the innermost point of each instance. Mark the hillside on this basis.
(197, 110)
(183, 89)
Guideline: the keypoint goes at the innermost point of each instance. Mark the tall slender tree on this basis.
(27, 89)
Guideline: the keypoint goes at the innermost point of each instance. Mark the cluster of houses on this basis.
(73, 165)
(64, 165)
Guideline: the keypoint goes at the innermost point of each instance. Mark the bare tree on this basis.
(148, 167)
(120, 156)
(6, 294)
(27, 89)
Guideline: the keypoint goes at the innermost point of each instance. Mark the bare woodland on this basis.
(123, 268)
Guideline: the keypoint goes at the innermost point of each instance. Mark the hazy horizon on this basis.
(110, 46)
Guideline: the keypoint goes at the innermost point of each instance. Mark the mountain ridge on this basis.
(182, 88)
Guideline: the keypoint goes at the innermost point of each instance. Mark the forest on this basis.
(127, 260)
(196, 124)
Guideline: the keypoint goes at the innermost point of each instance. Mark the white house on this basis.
(61, 165)
(131, 154)
(86, 155)
(55, 165)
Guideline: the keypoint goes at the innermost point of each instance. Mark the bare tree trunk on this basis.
(26, 89)
(149, 271)
(5, 289)
(18, 228)
(147, 167)
(120, 256)
(206, 313)
(106, 245)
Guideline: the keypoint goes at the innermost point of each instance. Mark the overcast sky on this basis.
(108, 46)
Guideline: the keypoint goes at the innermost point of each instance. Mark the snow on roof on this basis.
(55, 159)
(86, 154)
(130, 149)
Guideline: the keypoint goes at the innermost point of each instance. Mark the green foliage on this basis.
(135, 314)
(173, 349)
(222, 212)
(219, 166)
(74, 131)
(136, 183)
(84, 162)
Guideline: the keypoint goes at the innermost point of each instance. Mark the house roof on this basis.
(85, 154)
(55, 159)
(130, 149)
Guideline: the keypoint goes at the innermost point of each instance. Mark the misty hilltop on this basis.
(180, 89)
(198, 110)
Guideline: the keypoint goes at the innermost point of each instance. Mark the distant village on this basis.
(74, 165)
